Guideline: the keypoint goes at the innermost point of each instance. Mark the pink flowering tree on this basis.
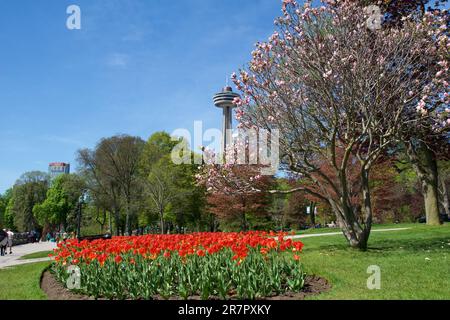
(428, 141)
(339, 93)
(232, 175)
(426, 144)
(235, 186)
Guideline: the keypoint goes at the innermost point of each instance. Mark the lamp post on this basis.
(81, 201)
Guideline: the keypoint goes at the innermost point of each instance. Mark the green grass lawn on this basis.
(36, 255)
(415, 264)
(22, 282)
(375, 227)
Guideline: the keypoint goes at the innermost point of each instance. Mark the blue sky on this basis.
(135, 67)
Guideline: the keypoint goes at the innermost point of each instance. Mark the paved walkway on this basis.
(339, 233)
(10, 260)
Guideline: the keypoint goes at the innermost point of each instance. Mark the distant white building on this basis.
(57, 168)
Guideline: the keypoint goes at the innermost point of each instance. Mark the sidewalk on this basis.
(339, 233)
(19, 251)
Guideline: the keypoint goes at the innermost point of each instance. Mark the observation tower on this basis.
(225, 100)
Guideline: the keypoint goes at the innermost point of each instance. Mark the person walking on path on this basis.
(10, 239)
(3, 242)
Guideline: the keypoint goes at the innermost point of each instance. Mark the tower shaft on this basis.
(226, 128)
(225, 100)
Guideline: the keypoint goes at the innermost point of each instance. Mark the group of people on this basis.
(34, 236)
(61, 236)
(6, 240)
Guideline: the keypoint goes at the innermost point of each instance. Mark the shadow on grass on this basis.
(412, 243)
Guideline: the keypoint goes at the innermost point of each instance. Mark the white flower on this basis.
(327, 74)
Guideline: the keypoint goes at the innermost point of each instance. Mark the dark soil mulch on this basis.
(314, 285)
(56, 291)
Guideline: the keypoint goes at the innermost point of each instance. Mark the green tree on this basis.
(104, 190)
(59, 207)
(9, 215)
(161, 190)
(170, 189)
(4, 200)
(159, 144)
(29, 190)
(112, 172)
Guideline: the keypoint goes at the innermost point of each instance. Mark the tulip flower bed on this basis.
(209, 265)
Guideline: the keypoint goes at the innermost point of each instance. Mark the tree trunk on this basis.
(161, 217)
(346, 214)
(128, 221)
(366, 208)
(105, 216)
(101, 220)
(79, 220)
(244, 226)
(445, 201)
(425, 165)
(110, 223)
(312, 210)
(430, 194)
(46, 230)
(357, 234)
(117, 220)
(212, 223)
